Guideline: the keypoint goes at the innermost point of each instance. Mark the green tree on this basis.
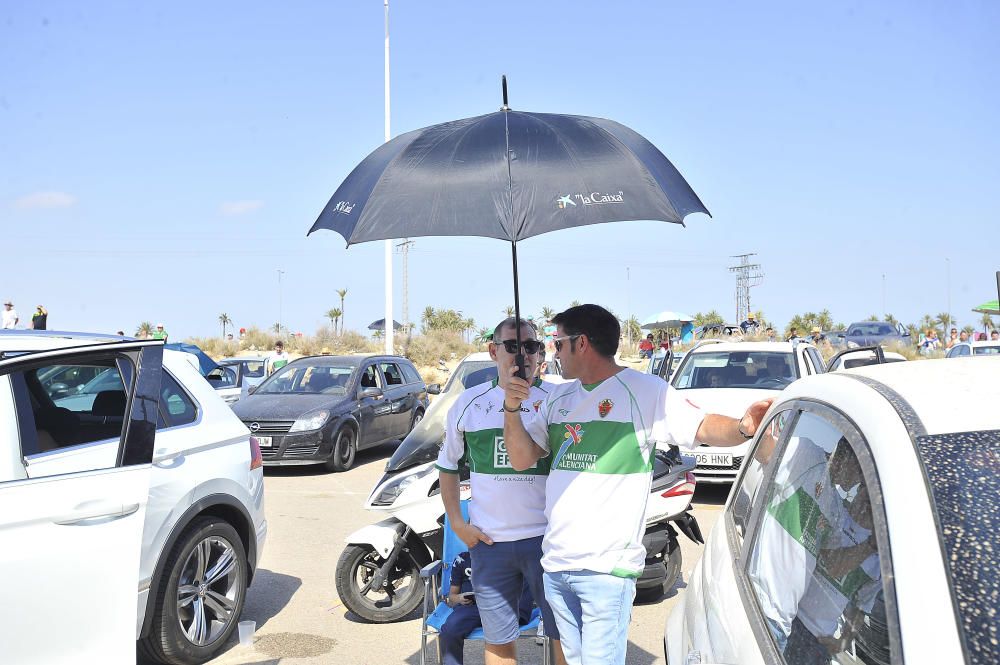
(342, 293)
(484, 335)
(443, 319)
(987, 322)
(970, 331)
(704, 319)
(575, 303)
(509, 310)
(872, 317)
(144, 330)
(632, 330)
(547, 313)
(225, 321)
(945, 320)
(334, 316)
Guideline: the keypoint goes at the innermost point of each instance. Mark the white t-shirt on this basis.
(276, 361)
(601, 440)
(9, 318)
(506, 504)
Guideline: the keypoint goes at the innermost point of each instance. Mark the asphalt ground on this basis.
(299, 617)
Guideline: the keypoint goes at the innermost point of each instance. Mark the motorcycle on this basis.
(378, 574)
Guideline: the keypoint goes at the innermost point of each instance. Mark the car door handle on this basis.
(93, 511)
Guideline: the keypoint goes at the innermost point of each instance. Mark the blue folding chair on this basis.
(436, 612)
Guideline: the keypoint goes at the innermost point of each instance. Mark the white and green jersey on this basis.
(506, 504)
(601, 440)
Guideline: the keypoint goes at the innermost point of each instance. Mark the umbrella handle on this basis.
(519, 361)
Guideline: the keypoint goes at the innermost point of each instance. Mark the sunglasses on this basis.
(530, 346)
(557, 341)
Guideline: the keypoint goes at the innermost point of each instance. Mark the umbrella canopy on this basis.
(380, 325)
(509, 175)
(989, 307)
(666, 319)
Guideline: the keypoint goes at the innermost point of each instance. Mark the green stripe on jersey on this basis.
(487, 454)
(605, 447)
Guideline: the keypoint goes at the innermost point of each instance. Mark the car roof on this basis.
(478, 355)
(784, 347)
(948, 395)
(241, 359)
(46, 340)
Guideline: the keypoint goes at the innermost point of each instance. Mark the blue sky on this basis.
(162, 162)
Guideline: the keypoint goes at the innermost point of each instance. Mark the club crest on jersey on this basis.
(574, 433)
(604, 408)
(537, 405)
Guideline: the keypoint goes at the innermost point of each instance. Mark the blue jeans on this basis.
(463, 620)
(592, 611)
(499, 573)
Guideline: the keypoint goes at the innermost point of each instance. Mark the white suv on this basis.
(124, 481)
(726, 378)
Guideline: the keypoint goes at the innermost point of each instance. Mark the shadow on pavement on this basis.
(714, 495)
(380, 452)
(528, 653)
(268, 595)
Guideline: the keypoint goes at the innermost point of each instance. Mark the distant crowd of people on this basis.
(11, 319)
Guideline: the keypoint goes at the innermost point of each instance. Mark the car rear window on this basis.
(767, 370)
(963, 471)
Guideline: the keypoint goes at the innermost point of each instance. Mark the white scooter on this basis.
(378, 574)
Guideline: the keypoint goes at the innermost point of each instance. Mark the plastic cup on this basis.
(246, 629)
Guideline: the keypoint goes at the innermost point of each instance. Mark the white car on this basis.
(726, 378)
(133, 514)
(862, 528)
(851, 358)
(964, 349)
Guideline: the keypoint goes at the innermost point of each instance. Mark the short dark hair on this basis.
(509, 323)
(598, 324)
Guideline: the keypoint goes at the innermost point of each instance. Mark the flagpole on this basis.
(388, 243)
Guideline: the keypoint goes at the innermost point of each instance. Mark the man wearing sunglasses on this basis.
(507, 511)
(598, 434)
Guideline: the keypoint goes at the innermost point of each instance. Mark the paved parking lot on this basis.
(294, 601)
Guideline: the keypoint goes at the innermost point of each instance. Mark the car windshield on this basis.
(966, 519)
(769, 370)
(873, 329)
(300, 379)
(471, 373)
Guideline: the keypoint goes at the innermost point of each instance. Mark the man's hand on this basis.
(515, 390)
(455, 599)
(751, 420)
(470, 534)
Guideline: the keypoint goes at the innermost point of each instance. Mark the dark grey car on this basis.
(872, 333)
(323, 409)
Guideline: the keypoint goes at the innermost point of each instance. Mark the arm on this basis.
(723, 431)
(450, 496)
(523, 451)
(453, 599)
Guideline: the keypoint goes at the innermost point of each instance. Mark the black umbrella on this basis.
(509, 175)
(380, 325)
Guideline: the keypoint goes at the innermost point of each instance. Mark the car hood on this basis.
(726, 401)
(283, 407)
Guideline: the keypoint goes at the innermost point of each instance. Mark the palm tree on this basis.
(484, 335)
(945, 320)
(509, 311)
(548, 313)
(225, 321)
(987, 322)
(341, 293)
(575, 303)
(276, 328)
(468, 325)
(970, 331)
(334, 315)
(427, 318)
(144, 330)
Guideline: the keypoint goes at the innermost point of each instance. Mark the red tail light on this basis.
(681, 489)
(256, 459)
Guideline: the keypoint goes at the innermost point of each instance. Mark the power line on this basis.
(747, 275)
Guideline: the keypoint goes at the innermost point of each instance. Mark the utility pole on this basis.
(280, 273)
(628, 303)
(747, 275)
(388, 243)
(404, 249)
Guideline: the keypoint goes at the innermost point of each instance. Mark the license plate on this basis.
(714, 459)
(264, 441)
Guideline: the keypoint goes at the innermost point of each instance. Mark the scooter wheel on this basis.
(400, 596)
(672, 564)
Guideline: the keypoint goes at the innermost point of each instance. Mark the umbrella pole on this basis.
(519, 358)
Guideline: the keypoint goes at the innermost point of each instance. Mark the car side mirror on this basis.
(370, 392)
(841, 335)
(251, 390)
(434, 389)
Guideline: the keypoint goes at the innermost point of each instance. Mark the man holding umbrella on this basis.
(598, 435)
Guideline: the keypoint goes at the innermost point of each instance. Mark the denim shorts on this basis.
(499, 572)
(592, 611)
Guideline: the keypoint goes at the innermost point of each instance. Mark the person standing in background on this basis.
(40, 319)
(9, 317)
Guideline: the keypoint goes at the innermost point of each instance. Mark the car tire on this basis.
(345, 450)
(418, 415)
(208, 561)
(354, 571)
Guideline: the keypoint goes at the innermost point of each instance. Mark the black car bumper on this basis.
(298, 448)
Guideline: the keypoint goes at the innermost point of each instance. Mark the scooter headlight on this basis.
(392, 490)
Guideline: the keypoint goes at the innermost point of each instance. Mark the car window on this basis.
(814, 566)
(471, 373)
(93, 411)
(410, 373)
(959, 350)
(253, 368)
(772, 370)
(817, 360)
(393, 377)
(756, 468)
(985, 350)
(370, 377)
(176, 407)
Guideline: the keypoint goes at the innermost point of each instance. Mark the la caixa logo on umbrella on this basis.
(592, 199)
(343, 207)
